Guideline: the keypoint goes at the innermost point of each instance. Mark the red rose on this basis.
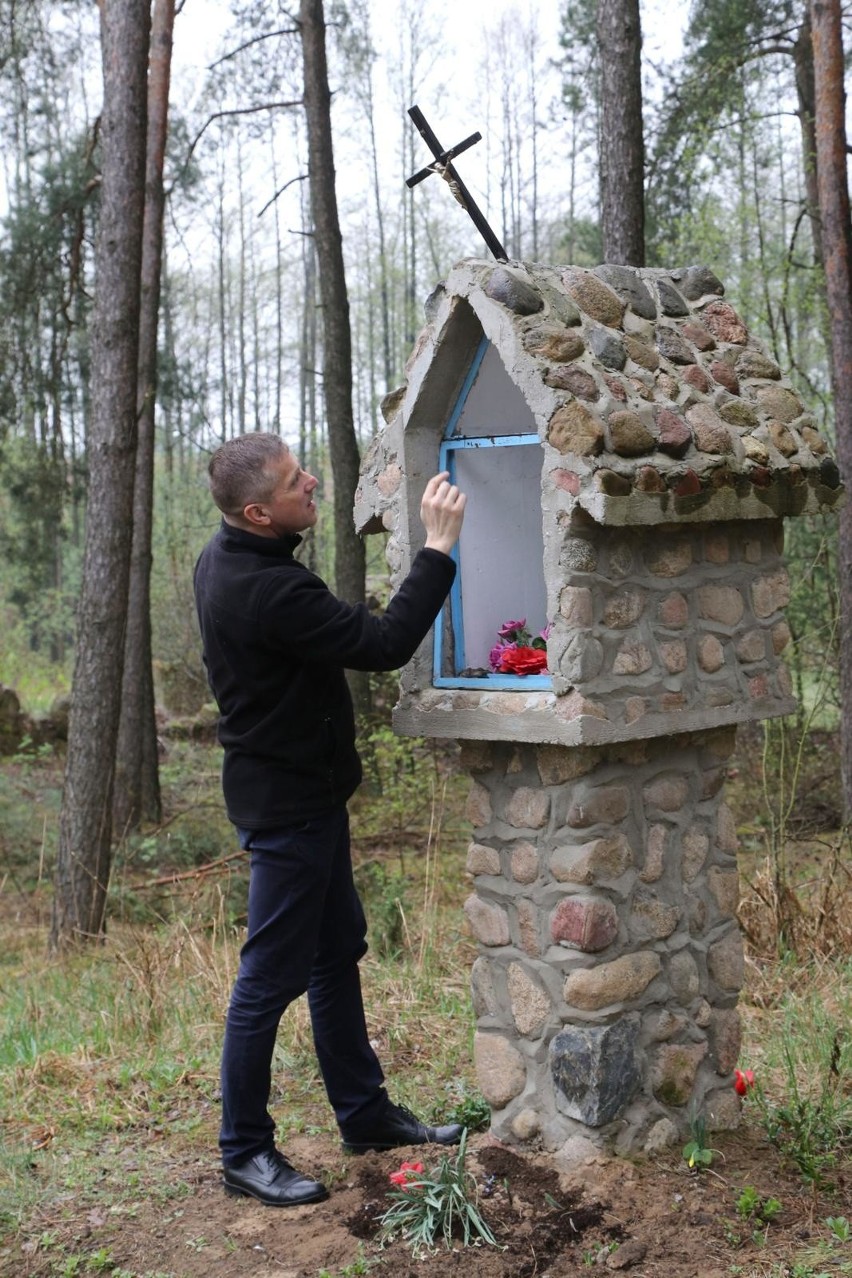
(523, 661)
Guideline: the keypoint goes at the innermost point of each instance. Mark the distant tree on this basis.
(85, 826)
(337, 341)
(833, 188)
(137, 791)
(622, 145)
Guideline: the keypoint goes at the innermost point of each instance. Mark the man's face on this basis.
(290, 507)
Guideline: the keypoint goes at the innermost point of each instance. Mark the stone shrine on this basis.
(629, 454)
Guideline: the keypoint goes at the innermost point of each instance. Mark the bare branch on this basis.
(219, 115)
(303, 177)
(267, 35)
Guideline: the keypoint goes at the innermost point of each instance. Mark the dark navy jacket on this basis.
(276, 642)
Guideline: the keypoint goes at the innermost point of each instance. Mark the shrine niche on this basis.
(629, 454)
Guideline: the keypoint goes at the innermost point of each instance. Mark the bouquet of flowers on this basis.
(517, 652)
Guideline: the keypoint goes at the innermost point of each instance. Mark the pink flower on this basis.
(743, 1080)
(495, 656)
(509, 628)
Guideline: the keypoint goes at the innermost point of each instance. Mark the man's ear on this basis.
(256, 514)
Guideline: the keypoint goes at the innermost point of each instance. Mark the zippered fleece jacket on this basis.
(276, 642)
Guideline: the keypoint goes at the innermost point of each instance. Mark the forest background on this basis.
(728, 180)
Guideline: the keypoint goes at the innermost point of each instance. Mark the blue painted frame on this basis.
(448, 449)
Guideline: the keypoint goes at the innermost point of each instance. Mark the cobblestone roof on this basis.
(656, 403)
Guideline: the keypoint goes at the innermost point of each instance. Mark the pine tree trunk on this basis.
(137, 788)
(85, 825)
(837, 253)
(622, 146)
(349, 556)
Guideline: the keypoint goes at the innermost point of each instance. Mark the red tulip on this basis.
(743, 1080)
(407, 1172)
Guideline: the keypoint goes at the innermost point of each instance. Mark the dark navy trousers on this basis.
(306, 934)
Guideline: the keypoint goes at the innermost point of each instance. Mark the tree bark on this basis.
(337, 340)
(833, 186)
(85, 825)
(622, 145)
(137, 790)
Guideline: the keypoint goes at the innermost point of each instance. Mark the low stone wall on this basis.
(610, 958)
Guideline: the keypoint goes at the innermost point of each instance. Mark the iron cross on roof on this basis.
(442, 164)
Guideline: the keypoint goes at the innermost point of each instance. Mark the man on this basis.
(276, 642)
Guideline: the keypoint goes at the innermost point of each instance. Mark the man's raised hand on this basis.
(442, 512)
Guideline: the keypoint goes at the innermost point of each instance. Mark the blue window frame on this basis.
(499, 557)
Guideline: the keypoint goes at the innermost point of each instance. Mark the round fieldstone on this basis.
(724, 1037)
(672, 347)
(779, 402)
(649, 480)
(482, 860)
(576, 605)
(632, 658)
(725, 324)
(720, 603)
(612, 484)
(675, 436)
(711, 654)
(710, 433)
(783, 439)
(674, 1071)
(697, 281)
(814, 440)
(723, 373)
(530, 1004)
(624, 608)
(514, 291)
(593, 297)
(529, 927)
(629, 435)
(609, 349)
(527, 809)
(666, 793)
(483, 994)
(725, 962)
(737, 413)
(591, 804)
(578, 555)
(500, 1069)
(752, 363)
(642, 353)
(701, 339)
(573, 429)
(598, 861)
(621, 981)
(669, 557)
(694, 848)
(630, 288)
(489, 922)
(652, 919)
(683, 977)
(524, 862)
(581, 659)
(725, 886)
(671, 301)
(478, 810)
(558, 764)
(556, 346)
(576, 380)
(616, 387)
(655, 853)
(674, 610)
(525, 1125)
(697, 378)
(584, 923)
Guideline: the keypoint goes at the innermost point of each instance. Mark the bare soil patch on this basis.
(654, 1218)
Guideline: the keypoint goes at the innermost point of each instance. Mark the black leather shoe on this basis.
(396, 1126)
(270, 1178)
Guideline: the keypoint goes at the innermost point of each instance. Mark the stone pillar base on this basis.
(610, 958)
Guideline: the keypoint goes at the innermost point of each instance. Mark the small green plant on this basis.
(751, 1206)
(697, 1152)
(469, 1107)
(435, 1204)
(812, 1125)
(840, 1228)
(362, 1264)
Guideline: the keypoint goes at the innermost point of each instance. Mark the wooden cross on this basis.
(442, 164)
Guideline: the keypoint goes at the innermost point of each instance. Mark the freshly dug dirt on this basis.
(653, 1218)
